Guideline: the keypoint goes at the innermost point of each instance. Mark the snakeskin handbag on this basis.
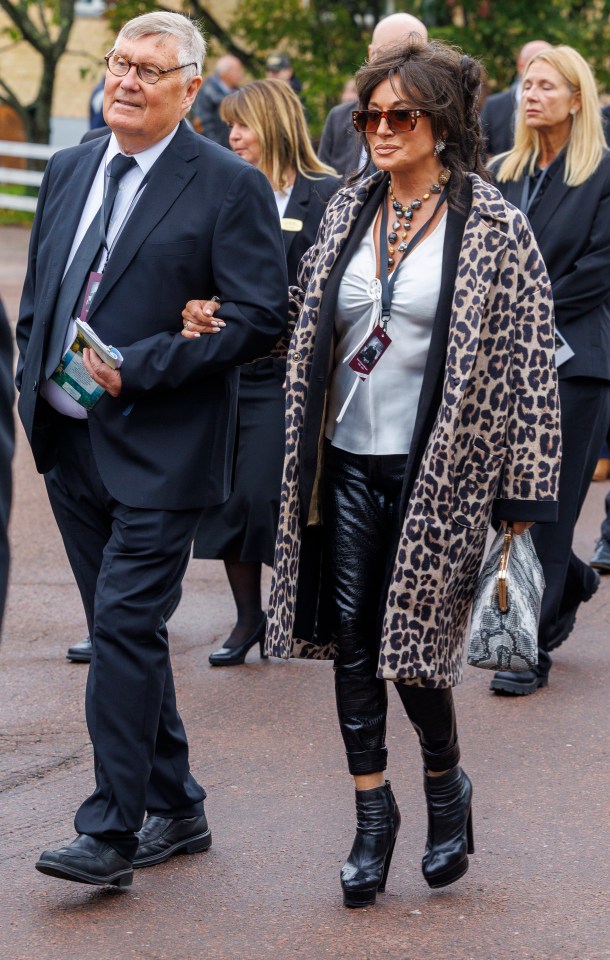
(506, 606)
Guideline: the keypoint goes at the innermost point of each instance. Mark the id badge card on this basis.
(563, 350)
(371, 352)
(92, 284)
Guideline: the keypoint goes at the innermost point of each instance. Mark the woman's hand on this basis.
(198, 318)
(519, 526)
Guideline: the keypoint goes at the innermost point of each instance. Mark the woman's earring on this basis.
(439, 146)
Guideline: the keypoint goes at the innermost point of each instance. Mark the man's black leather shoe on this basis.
(565, 623)
(601, 558)
(87, 860)
(160, 838)
(81, 652)
(519, 683)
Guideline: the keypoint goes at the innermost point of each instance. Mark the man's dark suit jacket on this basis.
(7, 438)
(205, 224)
(307, 203)
(498, 121)
(340, 145)
(606, 122)
(572, 228)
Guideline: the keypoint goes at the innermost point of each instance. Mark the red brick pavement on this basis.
(265, 744)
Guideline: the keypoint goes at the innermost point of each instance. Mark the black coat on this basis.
(498, 121)
(306, 206)
(340, 145)
(572, 228)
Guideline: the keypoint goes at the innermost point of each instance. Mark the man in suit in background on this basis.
(7, 444)
(127, 481)
(500, 110)
(340, 146)
(606, 122)
(228, 76)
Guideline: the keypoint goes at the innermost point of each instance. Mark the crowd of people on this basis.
(354, 361)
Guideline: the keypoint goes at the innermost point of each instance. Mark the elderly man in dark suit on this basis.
(128, 478)
(340, 146)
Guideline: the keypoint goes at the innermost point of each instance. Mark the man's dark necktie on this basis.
(73, 285)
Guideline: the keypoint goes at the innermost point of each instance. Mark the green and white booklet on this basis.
(71, 374)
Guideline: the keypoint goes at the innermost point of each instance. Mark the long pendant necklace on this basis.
(403, 215)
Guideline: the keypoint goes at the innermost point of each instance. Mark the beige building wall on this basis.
(82, 65)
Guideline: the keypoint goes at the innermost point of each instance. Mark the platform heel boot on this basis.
(450, 839)
(366, 870)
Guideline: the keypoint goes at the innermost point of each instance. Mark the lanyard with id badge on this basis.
(71, 375)
(365, 357)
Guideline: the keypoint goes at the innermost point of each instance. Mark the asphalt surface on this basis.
(265, 743)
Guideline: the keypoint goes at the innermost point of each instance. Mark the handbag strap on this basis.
(503, 571)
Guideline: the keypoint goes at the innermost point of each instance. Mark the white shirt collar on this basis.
(145, 158)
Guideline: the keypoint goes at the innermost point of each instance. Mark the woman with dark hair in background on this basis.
(396, 460)
(268, 129)
(558, 173)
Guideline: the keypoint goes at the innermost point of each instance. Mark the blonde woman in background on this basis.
(268, 130)
(558, 173)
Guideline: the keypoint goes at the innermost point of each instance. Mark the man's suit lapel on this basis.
(71, 203)
(168, 178)
(55, 309)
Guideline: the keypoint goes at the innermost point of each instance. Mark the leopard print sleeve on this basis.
(533, 437)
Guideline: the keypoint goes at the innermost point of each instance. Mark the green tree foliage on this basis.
(328, 40)
(46, 26)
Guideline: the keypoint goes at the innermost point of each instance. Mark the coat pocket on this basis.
(177, 248)
(476, 481)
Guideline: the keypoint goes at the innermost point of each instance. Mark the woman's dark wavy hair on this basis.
(441, 79)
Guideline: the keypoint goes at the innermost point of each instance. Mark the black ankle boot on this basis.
(450, 840)
(366, 869)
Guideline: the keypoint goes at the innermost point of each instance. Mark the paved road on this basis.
(265, 744)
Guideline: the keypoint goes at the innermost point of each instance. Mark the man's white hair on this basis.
(191, 42)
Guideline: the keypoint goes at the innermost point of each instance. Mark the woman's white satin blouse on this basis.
(380, 416)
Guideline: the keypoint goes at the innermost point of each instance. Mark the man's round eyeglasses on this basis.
(399, 120)
(148, 72)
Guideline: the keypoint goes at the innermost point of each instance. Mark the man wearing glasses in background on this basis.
(153, 214)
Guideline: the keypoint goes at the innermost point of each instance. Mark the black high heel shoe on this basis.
(233, 656)
(450, 837)
(367, 867)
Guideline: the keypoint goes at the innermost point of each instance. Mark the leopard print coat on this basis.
(496, 435)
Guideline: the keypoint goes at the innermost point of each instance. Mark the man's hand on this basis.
(107, 378)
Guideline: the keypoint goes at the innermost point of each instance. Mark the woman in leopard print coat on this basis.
(390, 483)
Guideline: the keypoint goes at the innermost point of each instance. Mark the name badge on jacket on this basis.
(291, 225)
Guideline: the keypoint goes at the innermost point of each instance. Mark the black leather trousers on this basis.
(361, 528)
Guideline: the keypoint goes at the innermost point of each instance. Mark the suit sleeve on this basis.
(326, 150)
(249, 270)
(587, 285)
(530, 479)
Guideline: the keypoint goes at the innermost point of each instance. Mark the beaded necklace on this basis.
(403, 214)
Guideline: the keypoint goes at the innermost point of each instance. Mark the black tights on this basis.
(361, 517)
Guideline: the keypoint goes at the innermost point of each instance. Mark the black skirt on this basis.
(244, 527)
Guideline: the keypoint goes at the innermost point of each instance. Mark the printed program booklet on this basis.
(71, 374)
